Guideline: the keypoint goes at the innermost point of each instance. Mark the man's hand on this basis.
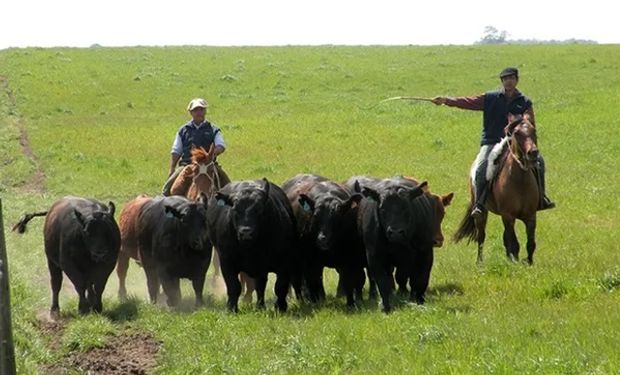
(439, 100)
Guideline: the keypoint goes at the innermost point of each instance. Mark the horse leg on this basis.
(510, 239)
(481, 224)
(530, 228)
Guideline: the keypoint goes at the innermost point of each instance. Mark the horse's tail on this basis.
(467, 228)
(20, 227)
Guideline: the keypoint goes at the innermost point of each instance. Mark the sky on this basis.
(73, 23)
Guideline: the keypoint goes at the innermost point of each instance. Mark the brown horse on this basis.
(203, 175)
(514, 191)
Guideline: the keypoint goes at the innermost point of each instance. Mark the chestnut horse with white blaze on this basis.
(514, 191)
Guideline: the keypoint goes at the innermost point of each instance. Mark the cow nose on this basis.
(321, 241)
(438, 241)
(395, 233)
(245, 233)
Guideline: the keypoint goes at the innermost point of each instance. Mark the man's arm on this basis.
(474, 103)
(218, 141)
(174, 159)
(175, 154)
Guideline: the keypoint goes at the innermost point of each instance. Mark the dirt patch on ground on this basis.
(133, 353)
(130, 353)
(36, 183)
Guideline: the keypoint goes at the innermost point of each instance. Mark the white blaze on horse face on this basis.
(202, 169)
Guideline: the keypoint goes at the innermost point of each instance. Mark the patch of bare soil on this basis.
(130, 353)
(133, 353)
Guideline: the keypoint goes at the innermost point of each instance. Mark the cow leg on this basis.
(198, 283)
(97, 291)
(380, 274)
(372, 286)
(233, 286)
(510, 239)
(172, 289)
(122, 265)
(248, 285)
(359, 279)
(283, 283)
(152, 282)
(481, 223)
(402, 277)
(80, 284)
(421, 273)
(261, 283)
(56, 284)
(530, 228)
(217, 271)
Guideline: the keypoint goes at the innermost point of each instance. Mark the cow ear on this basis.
(371, 194)
(352, 201)
(223, 199)
(357, 187)
(418, 190)
(111, 208)
(172, 212)
(79, 217)
(267, 185)
(447, 199)
(306, 203)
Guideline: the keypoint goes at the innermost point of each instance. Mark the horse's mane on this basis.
(201, 156)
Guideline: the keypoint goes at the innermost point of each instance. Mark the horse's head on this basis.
(203, 167)
(523, 140)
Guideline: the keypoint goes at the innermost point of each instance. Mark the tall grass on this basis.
(101, 122)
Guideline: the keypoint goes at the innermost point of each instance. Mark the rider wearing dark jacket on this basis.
(496, 105)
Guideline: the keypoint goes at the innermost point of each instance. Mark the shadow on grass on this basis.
(123, 311)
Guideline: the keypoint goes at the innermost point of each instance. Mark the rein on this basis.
(515, 156)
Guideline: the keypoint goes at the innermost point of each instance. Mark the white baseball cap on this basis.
(197, 103)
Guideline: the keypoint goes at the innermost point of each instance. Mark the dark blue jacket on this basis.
(496, 111)
(192, 136)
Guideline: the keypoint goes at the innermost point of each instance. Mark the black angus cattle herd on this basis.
(387, 227)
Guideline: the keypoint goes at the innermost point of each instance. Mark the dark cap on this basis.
(509, 72)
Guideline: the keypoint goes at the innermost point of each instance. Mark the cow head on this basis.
(191, 218)
(97, 228)
(440, 202)
(328, 213)
(248, 206)
(394, 210)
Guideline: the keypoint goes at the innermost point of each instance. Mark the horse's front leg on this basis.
(510, 239)
(530, 229)
(481, 224)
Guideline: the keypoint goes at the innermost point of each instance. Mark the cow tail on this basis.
(467, 228)
(20, 227)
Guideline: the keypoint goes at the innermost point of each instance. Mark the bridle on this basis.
(214, 178)
(513, 144)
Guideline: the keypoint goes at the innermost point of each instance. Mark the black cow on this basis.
(173, 243)
(252, 226)
(396, 224)
(325, 213)
(82, 240)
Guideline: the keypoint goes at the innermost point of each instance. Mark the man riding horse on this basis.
(196, 133)
(496, 105)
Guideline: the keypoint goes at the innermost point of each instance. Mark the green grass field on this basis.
(101, 121)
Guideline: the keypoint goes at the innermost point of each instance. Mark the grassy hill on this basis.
(100, 123)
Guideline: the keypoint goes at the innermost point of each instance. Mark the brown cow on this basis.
(129, 240)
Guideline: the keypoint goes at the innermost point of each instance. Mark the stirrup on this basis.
(546, 204)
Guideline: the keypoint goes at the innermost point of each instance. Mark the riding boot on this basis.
(544, 202)
(481, 197)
